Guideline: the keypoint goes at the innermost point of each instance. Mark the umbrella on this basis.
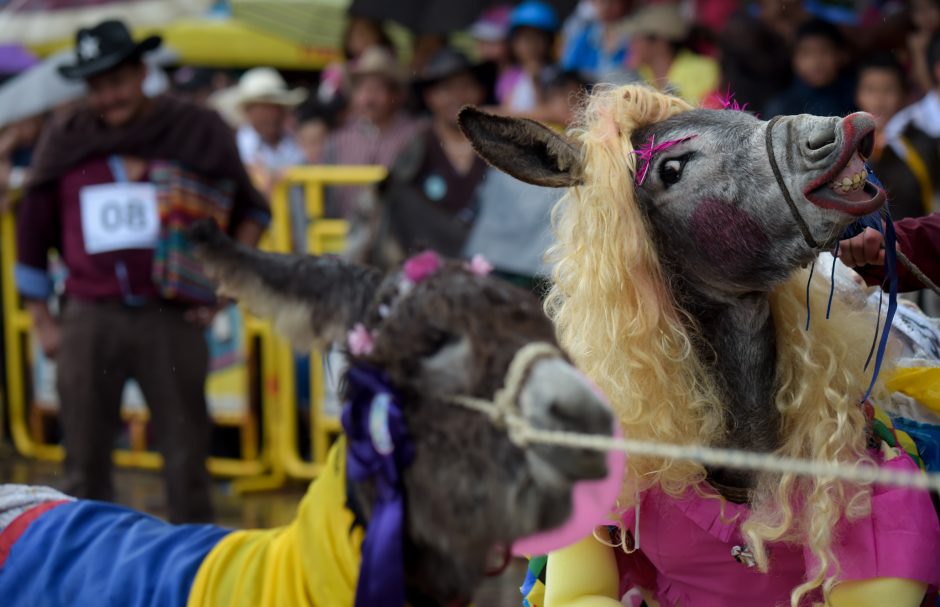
(38, 22)
(42, 88)
(436, 16)
(14, 59)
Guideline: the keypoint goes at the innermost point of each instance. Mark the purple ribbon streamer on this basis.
(378, 448)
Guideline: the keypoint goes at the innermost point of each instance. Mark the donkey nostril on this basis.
(820, 140)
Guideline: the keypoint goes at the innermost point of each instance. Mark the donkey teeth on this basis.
(848, 184)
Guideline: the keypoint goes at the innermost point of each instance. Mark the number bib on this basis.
(119, 216)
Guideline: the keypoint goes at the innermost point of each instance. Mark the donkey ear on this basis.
(525, 149)
(312, 301)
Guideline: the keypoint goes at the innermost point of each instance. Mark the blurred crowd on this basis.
(396, 107)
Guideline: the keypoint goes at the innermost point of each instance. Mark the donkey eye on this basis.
(670, 171)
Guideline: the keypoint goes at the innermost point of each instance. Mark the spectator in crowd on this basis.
(315, 122)
(755, 51)
(491, 36)
(264, 141)
(925, 18)
(378, 128)
(429, 199)
(599, 46)
(657, 54)
(924, 115)
(197, 84)
(532, 28)
(92, 197)
(361, 34)
(819, 87)
(905, 166)
(562, 90)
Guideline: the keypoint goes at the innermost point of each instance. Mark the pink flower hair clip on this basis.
(479, 265)
(648, 150)
(360, 340)
(421, 266)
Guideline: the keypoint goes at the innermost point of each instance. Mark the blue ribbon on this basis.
(874, 221)
(378, 448)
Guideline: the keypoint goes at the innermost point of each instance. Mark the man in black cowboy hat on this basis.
(92, 196)
(429, 199)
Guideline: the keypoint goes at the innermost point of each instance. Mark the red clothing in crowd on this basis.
(50, 218)
(919, 240)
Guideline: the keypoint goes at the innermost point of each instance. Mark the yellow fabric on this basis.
(591, 578)
(919, 168)
(312, 562)
(878, 592)
(693, 76)
(920, 383)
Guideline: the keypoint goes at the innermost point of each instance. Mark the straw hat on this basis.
(660, 20)
(257, 85)
(378, 61)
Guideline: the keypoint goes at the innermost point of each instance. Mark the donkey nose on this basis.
(557, 397)
(821, 141)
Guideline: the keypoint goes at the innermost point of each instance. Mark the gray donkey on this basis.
(679, 289)
(417, 498)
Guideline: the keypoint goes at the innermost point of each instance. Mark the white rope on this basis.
(522, 433)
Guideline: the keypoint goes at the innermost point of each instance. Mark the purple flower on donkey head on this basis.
(422, 265)
(648, 150)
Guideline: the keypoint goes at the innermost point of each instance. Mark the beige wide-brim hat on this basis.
(660, 20)
(377, 61)
(257, 85)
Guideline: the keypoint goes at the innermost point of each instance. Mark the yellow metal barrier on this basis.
(17, 358)
(279, 455)
(323, 236)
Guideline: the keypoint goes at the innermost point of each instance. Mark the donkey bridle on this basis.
(800, 222)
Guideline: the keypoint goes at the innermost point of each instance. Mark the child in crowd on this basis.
(819, 86)
(658, 54)
(532, 28)
(562, 92)
(904, 166)
(315, 123)
(491, 37)
(925, 17)
(598, 46)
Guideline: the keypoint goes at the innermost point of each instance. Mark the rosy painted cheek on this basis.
(727, 235)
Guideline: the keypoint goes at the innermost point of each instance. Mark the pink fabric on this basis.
(686, 546)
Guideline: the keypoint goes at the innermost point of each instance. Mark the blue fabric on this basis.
(536, 14)
(31, 282)
(881, 222)
(584, 53)
(93, 554)
(927, 438)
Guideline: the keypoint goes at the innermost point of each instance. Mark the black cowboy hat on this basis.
(449, 62)
(104, 47)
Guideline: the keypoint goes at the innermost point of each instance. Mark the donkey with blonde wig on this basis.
(680, 288)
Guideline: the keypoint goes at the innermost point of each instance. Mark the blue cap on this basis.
(533, 13)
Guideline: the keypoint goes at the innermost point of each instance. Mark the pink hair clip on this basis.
(422, 265)
(360, 340)
(649, 149)
(479, 265)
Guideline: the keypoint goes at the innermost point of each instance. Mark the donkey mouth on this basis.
(845, 186)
